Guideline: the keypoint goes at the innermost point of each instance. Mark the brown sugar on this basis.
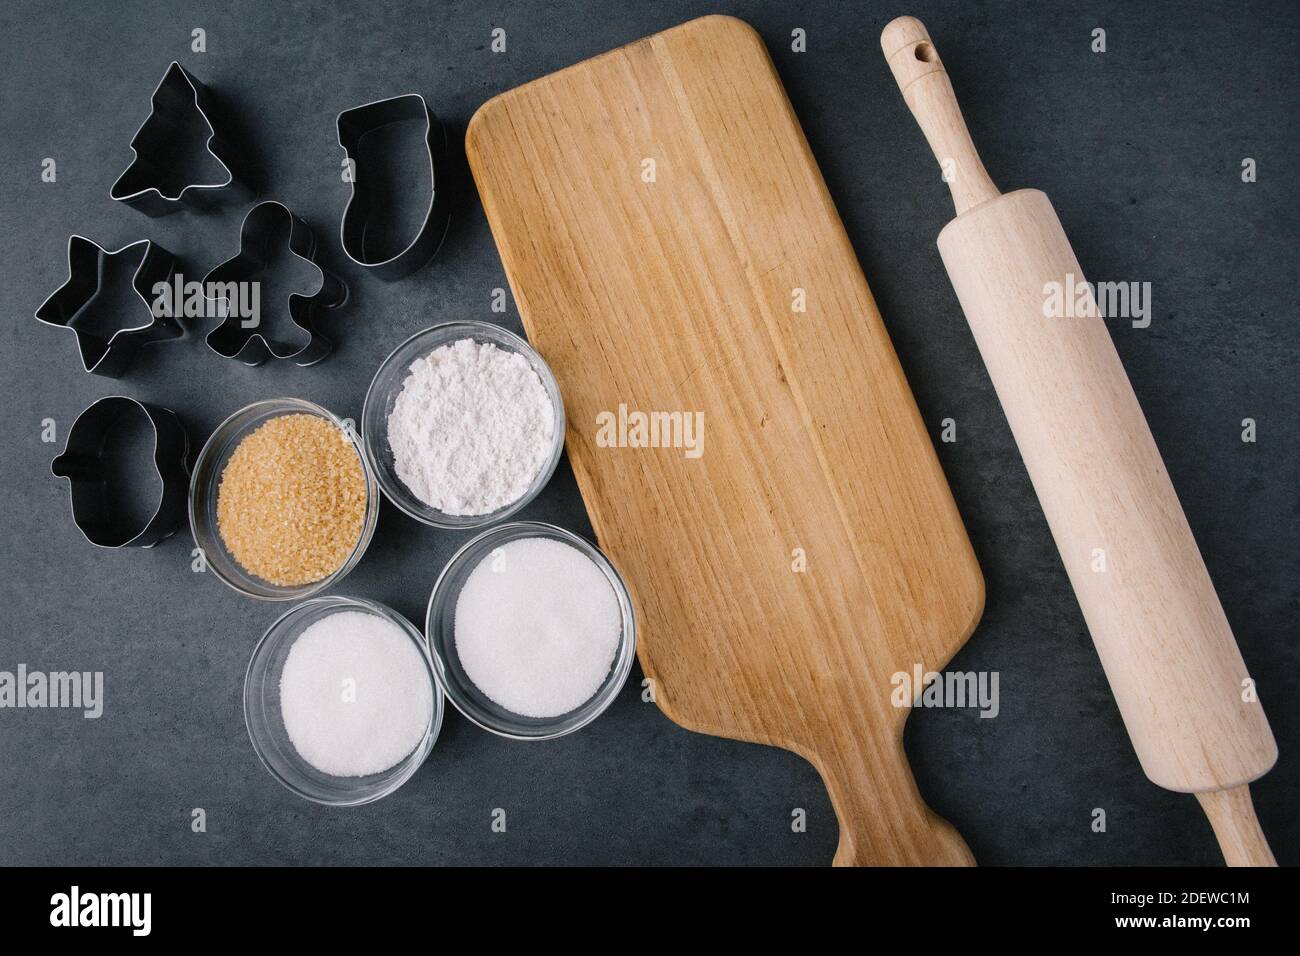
(292, 500)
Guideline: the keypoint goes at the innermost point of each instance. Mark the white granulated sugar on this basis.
(471, 429)
(537, 627)
(354, 694)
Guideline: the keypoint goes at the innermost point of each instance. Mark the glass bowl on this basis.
(206, 479)
(387, 385)
(440, 623)
(266, 725)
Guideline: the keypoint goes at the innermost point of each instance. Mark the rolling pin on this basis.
(1164, 642)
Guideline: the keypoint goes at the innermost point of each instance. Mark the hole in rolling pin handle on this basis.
(924, 52)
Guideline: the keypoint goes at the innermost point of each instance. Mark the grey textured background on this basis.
(1140, 148)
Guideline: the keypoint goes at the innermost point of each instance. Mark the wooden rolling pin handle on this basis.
(929, 95)
(1232, 814)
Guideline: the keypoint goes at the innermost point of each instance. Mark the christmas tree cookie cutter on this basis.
(149, 183)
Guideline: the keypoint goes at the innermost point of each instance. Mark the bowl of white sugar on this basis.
(532, 631)
(341, 701)
(463, 425)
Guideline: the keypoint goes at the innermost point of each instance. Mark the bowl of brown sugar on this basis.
(282, 501)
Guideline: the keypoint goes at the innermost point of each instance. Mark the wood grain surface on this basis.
(679, 291)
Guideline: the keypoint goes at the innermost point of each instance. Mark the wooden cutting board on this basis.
(672, 248)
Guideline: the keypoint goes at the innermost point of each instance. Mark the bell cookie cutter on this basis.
(235, 337)
(69, 304)
(144, 183)
(82, 463)
(354, 125)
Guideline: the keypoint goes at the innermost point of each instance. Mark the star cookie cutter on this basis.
(235, 337)
(96, 511)
(144, 184)
(69, 306)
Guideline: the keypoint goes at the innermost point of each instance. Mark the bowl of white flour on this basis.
(463, 425)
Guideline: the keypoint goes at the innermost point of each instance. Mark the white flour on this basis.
(471, 429)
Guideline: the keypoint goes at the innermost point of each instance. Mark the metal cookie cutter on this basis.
(354, 125)
(70, 306)
(235, 337)
(148, 183)
(95, 509)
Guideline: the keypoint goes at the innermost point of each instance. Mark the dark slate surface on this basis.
(1141, 150)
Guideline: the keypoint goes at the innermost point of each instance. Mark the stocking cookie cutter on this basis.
(354, 125)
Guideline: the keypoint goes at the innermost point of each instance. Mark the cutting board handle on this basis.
(928, 93)
(869, 780)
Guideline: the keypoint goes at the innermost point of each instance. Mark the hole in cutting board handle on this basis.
(924, 52)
